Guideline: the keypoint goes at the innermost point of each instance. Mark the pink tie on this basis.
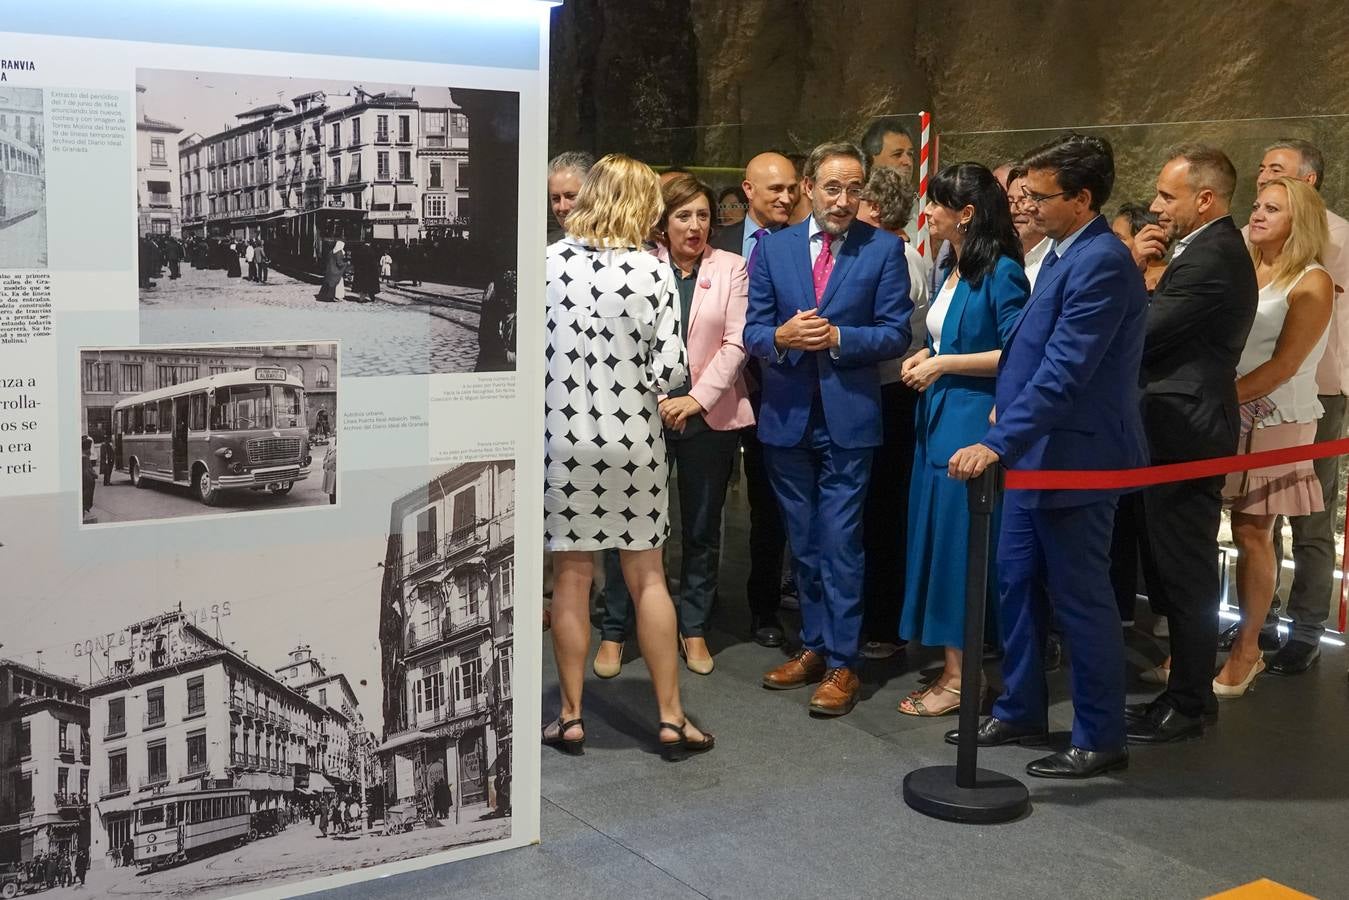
(824, 264)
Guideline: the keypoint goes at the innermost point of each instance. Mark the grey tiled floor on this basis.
(789, 806)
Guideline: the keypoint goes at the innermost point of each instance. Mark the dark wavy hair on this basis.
(991, 233)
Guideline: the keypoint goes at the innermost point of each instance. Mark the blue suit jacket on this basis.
(1067, 391)
(867, 298)
(953, 412)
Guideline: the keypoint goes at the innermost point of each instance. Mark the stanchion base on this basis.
(933, 791)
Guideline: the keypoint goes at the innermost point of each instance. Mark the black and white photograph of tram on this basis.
(23, 179)
(382, 214)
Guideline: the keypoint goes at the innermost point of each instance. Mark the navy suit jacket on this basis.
(1067, 391)
(953, 412)
(867, 298)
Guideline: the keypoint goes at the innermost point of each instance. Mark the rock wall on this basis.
(712, 82)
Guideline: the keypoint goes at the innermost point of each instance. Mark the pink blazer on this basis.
(715, 339)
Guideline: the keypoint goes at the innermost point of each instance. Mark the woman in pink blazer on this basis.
(703, 419)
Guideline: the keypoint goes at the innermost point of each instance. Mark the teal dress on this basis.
(953, 413)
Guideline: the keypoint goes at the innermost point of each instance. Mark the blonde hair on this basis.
(1308, 236)
(618, 204)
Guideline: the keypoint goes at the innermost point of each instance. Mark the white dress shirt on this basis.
(1035, 258)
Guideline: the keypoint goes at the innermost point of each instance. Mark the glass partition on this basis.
(1140, 150)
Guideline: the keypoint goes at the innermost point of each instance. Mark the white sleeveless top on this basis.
(1294, 400)
(936, 313)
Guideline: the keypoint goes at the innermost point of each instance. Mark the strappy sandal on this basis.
(918, 708)
(674, 751)
(574, 746)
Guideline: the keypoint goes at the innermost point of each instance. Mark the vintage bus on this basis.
(238, 430)
(170, 827)
(21, 189)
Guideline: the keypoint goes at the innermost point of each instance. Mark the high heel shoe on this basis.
(696, 666)
(674, 751)
(606, 670)
(574, 746)
(1233, 691)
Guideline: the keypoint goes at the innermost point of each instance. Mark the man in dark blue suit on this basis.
(828, 300)
(1067, 398)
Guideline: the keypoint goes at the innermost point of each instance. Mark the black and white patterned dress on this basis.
(613, 346)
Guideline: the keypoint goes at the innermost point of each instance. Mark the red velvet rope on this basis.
(1107, 479)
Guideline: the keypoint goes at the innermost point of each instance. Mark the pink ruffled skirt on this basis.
(1286, 490)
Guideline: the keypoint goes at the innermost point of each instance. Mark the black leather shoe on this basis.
(767, 632)
(1078, 763)
(995, 732)
(1164, 724)
(1135, 711)
(1295, 658)
(1268, 640)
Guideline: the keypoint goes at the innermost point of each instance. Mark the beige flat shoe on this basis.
(607, 670)
(1155, 675)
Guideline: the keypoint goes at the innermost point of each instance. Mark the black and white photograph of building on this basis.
(308, 708)
(181, 431)
(382, 214)
(23, 179)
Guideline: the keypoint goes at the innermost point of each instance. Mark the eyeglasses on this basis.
(832, 190)
(1030, 198)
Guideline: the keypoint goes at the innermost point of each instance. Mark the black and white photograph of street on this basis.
(23, 179)
(306, 708)
(381, 214)
(168, 432)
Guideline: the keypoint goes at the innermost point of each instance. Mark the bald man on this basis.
(770, 187)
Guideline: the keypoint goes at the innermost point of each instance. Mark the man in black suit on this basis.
(770, 187)
(1197, 323)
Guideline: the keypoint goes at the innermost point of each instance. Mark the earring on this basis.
(962, 227)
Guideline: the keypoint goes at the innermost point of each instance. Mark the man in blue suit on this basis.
(1066, 398)
(828, 300)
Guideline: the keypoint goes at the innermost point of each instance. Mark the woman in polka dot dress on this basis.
(613, 347)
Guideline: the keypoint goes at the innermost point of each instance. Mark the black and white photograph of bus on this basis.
(176, 826)
(249, 434)
(23, 180)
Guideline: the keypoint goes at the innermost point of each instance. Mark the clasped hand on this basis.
(676, 411)
(921, 370)
(1149, 244)
(807, 330)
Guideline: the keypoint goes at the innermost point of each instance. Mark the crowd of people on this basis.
(861, 385)
(63, 867)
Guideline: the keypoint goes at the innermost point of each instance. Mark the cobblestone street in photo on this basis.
(297, 853)
(405, 331)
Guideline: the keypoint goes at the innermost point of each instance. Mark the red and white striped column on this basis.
(924, 147)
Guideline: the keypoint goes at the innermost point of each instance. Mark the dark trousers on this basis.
(702, 462)
(822, 488)
(1314, 538)
(1061, 554)
(886, 515)
(1124, 555)
(767, 534)
(173, 269)
(1179, 547)
(262, 272)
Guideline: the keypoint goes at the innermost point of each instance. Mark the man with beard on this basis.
(828, 301)
(770, 188)
(1197, 323)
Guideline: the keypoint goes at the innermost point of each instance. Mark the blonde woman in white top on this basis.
(1276, 385)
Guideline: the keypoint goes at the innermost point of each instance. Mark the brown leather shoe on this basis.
(837, 695)
(805, 667)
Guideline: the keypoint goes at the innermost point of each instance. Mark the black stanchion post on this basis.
(964, 792)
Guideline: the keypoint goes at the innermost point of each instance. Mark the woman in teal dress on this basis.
(981, 296)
